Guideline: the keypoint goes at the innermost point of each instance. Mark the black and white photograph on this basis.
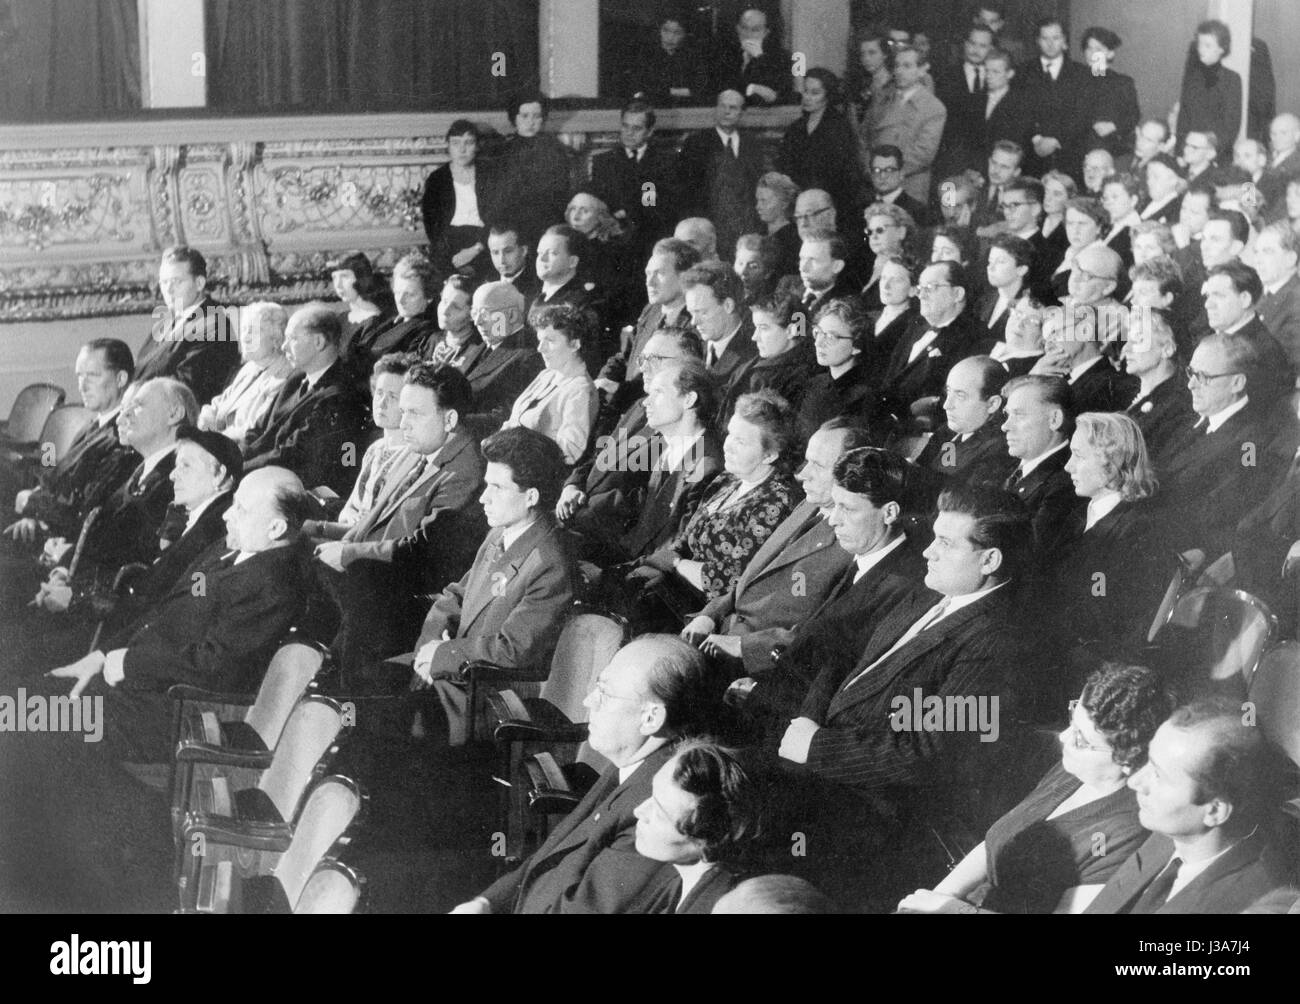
(834, 457)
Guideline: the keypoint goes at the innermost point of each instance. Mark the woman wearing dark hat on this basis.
(457, 207)
(364, 293)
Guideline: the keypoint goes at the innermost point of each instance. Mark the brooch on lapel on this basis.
(1146, 408)
(934, 353)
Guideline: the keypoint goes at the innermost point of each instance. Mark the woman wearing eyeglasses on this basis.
(1055, 850)
(889, 230)
(846, 385)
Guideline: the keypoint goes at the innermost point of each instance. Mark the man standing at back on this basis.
(193, 339)
(650, 694)
(719, 170)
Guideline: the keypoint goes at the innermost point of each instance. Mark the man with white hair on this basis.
(719, 169)
(1284, 164)
(252, 389)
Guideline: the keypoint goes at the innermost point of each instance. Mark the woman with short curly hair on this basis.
(1062, 843)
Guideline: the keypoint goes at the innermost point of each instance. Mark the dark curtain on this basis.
(68, 59)
(368, 55)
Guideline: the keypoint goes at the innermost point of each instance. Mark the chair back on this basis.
(62, 426)
(31, 408)
(308, 735)
(1275, 693)
(1166, 608)
(586, 645)
(333, 888)
(1232, 627)
(292, 667)
(327, 813)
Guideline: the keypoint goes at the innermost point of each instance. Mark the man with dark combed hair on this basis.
(653, 691)
(1210, 793)
(193, 338)
(509, 607)
(864, 734)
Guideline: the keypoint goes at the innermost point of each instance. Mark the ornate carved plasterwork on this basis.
(267, 201)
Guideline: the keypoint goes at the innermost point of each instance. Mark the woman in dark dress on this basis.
(362, 292)
(610, 262)
(818, 151)
(846, 386)
(1210, 100)
(786, 360)
(756, 263)
(1041, 857)
(536, 171)
(457, 206)
(1112, 97)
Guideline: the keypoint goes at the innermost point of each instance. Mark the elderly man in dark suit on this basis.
(1232, 457)
(441, 472)
(864, 734)
(317, 426)
(718, 170)
(790, 576)
(1039, 422)
(96, 461)
(216, 628)
(1209, 793)
(508, 361)
(509, 607)
(946, 331)
(868, 499)
(969, 447)
(653, 691)
(193, 338)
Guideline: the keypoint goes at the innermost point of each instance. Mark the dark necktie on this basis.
(137, 479)
(1157, 893)
(1016, 477)
(809, 298)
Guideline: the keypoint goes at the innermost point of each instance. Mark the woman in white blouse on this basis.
(562, 402)
(456, 202)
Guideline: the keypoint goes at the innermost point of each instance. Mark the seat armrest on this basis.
(257, 836)
(481, 671)
(220, 756)
(191, 694)
(530, 732)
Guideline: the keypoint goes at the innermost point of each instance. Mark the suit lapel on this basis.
(766, 557)
(495, 577)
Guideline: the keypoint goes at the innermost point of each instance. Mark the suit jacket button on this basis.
(596, 818)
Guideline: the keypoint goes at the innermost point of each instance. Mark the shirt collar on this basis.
(313, 376)
(155, 458)
(1277, 286)
(1246, 318)
(110, 416)
(955, 603)
(1101, 507)
(1083, 368)
(509, 536)
(1218, 418)
(198, 510)
(720, 346)
(866, 562)
(1027, 466)
(690, 876)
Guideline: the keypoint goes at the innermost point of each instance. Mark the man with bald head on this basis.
(509, 360)
(651, 693)
(969, 446)
(1090, 319)
(700, 234)
(1283, 165)
(719, 170)
(317, 426)
(216, 628)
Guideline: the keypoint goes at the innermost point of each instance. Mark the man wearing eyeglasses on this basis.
(1200, 150)
(649, 694)
(1230, 458)
(887, 179)
(1004, 165)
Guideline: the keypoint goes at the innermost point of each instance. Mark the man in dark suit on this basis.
(823, 260)
(1056, 87)
(621, 177)
(1231, 293)
(945, 332)
(215, 629)
(1284, 164)
(317, 426)
(96, 461)
(1005, 109)
(963, 89)
(1276, 257)
(1040, 419)
(609, 502)
(193, 338)
(415, 325)
(863, 733)
(620, 377)
(969, 447)
(886, 569)
(442, 472)
(887, 179)
(561, 253)
(509, 607)
(1209, 793)
(510, 259)
(1232, 457)
(756, 66)
(650, 693)
(715, 298)
(509, 359)
(1265, 550)
(790, 576)
(718, 170)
